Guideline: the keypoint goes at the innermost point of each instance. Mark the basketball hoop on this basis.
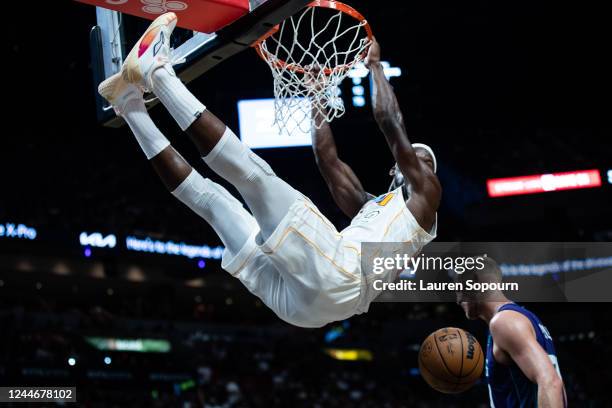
(310, 54)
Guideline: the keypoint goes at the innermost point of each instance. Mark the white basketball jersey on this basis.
(387, 219)
(310, 274)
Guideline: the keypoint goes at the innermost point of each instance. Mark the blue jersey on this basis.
(508, 386)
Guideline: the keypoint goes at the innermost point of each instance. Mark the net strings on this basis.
(296, 100)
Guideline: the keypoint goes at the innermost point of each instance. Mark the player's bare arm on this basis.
(515, 342)
(345, 187)
(425, 187)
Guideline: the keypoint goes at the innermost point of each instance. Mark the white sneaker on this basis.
(151, 51)
(118, 92)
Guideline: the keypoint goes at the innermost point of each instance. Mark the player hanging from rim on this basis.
(521, 364)
(416, 161)
(287, 253)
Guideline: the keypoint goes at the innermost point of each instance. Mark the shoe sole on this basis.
(107, 87)
(131, 68)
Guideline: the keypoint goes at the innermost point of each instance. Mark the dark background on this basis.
(497, 89)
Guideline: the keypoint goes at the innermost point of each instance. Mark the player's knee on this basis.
(261, 164)
(259, 171)
(204, 202)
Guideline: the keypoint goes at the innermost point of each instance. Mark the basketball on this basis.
(451, 360)
(253, 203)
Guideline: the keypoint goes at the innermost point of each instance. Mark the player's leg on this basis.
(268, 197)
(224, 213)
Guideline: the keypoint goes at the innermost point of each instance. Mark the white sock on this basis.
(182, 105)
(150, 139)
(230, 220)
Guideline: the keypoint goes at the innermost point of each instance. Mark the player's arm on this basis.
(514, 335)
(345, 187)
(390, 120)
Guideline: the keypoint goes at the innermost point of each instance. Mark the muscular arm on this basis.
(345, 187)
(425, 187)
(514, 335)
(388, 116)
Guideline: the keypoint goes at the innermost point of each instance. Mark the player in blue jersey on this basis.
(521, 364)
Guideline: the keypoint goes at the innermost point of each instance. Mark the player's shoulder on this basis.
(431, 193)
(510, 323)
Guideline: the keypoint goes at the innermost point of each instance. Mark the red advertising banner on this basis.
(542, 183)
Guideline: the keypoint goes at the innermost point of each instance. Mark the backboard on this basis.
(115, 32)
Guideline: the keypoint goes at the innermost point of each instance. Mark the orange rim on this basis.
(336, 5)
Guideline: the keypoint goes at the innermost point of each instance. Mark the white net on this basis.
(309, 55)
